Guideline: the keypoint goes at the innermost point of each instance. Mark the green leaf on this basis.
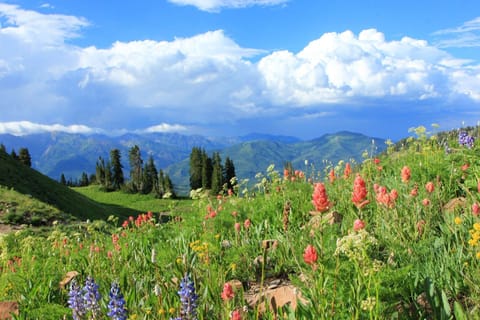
(458, 311)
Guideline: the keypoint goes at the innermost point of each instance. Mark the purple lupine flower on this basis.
(75, 301)
(465, 140)
(91, 298)
(188, 298)
(116, 305)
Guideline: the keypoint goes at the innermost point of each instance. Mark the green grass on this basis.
(33, 184)
(416, 258)
(133, 204)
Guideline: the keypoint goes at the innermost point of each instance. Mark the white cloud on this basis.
(47, 6)
(466, 35)
(33, 27)
(21, 128)
(164, 127)
(343, 67)
(209, 78)
(217, 5)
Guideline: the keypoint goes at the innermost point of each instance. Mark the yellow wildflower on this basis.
(457, 220)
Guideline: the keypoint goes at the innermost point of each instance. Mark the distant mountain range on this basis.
(72, 154)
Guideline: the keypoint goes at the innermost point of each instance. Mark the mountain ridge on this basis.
(72, 154)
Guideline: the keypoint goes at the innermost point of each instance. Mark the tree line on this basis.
(23, 155)
(145, 178)
(209, 173)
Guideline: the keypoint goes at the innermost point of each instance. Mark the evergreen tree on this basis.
(92, 178)
(108, 176)
(63, 180)
(100, 171)
(195, 168)
(229, 172)
(2, 148)
(168, 187)
(84, 180)
(150, 176)
(217, 174)
(160, 184)
(136, 163)
(24, 157)
(207, 170)
(117, 169)
(13, 154)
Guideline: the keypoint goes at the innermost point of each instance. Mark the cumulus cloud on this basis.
(217, 5)
(466, 35)
(209, 79)
(343, 67)
(21, 128)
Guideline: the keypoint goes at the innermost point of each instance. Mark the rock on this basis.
(454, 204)
(8, 309)
(68, 277)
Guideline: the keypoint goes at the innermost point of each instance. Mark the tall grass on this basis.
(411, 252)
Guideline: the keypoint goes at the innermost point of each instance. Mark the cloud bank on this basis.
(217, 5)
(209, 79)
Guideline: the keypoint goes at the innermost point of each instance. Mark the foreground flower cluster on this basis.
(397, 236)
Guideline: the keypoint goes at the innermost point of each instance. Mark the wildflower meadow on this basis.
(394, 237)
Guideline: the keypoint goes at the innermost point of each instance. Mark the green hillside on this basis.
(59, 201)
(253, 157)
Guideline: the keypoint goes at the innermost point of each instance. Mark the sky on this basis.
(231, 67)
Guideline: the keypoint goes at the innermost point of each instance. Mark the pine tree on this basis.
(195, 168)
(161, 184)
(136, 168)
(2, 148)
(217, 174)
(100, 171)
(117, 169)
(24, 157)
(150, 176)
(207, 169)
(13, 154)
(168, 186)
(63, 180)
(108, 176)
(229, 172)
(84, 180)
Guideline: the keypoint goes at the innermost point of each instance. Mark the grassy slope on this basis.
(133, 202)
(14, 175)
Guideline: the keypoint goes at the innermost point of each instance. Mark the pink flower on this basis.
(358, 225)
(420, 225)
(234, 213)
(465, 167)
(359, 192)
(426, 202)
(238, 226)
(476, 209)
(414, 191)
(347, 171)
(227, 293)
(247, 223)
(430, 187)
(320, 199)
(331, 177)
(236, 315)
(405, 174)
(310, 255)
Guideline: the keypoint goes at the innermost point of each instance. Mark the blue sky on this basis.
(231, 67)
